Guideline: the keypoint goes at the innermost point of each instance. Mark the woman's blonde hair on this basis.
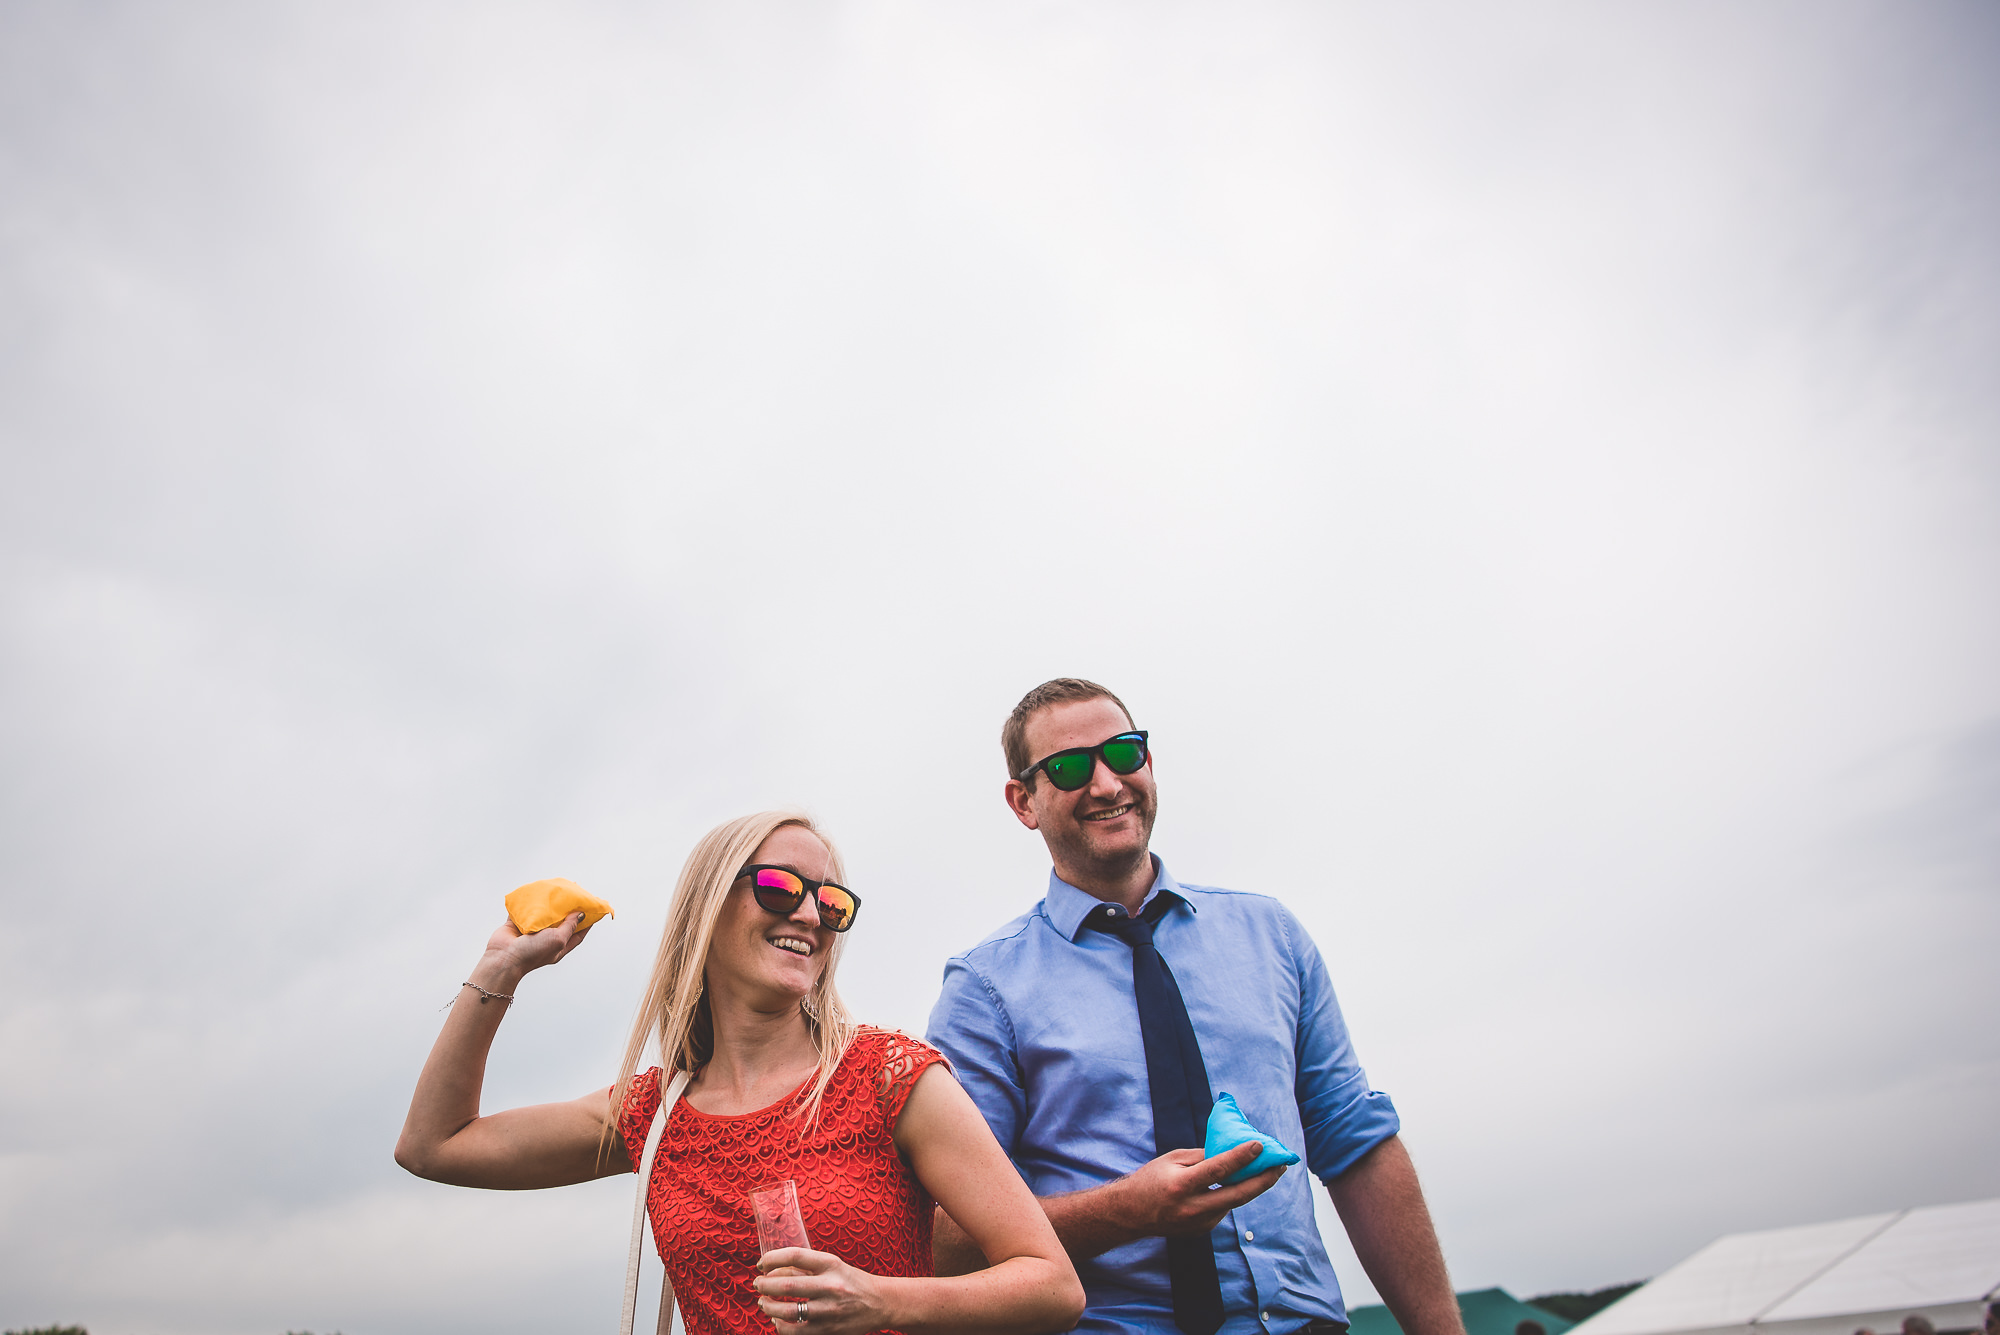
(674, 1011)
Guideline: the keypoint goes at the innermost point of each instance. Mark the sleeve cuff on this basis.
(1361, 1126)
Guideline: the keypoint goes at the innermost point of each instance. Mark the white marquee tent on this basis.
(1825, 1279)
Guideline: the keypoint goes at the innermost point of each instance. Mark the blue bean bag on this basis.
(1228, 1128)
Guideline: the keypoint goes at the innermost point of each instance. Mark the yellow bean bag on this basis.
(540, 904)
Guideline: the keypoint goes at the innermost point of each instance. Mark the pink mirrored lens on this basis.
(836, 907)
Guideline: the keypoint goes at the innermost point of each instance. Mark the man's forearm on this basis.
(1086, 1222)
(1092, 1221)
(1382, 1205)
(953, 1251)
(1180, 1193)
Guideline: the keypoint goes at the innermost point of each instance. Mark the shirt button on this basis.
(1264, 1317)
(1249, 1236)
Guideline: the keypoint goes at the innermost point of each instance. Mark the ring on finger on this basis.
(802, 1311)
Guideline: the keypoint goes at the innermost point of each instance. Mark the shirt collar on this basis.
(1067, 906)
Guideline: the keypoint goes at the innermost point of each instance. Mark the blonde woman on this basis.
(870, 1124)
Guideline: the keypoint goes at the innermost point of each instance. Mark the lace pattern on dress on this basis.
(904, 1059)
(858, 1199)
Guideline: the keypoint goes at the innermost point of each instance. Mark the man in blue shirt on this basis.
(1044, 1026)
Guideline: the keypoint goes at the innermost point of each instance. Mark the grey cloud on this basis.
(1531, 469)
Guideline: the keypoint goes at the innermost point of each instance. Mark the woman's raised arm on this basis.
(547, 1145)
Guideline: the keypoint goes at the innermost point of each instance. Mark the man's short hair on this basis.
(1918, 1324)
(1061, 691)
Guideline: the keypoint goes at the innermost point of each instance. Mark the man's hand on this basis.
(1175, 1194)
(1180, 1192)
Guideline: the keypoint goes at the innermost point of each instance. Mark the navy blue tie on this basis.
(1181, 1100)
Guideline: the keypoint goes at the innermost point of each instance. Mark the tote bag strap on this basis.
(668, 1099)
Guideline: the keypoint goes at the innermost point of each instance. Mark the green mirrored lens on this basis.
(1124, 757)
(1070, 771)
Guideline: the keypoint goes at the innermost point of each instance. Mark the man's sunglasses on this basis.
(781, 890)
(1070, 770)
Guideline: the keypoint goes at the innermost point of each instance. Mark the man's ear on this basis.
(1022, 803)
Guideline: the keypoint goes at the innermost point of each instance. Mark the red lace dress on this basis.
(858, 1199)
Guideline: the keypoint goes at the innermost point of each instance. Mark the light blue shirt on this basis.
(1040, 1021)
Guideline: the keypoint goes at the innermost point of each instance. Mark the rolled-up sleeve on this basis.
(969, 1026)
(1343, 1118)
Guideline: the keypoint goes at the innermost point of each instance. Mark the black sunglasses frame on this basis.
(1096, 754)
(812, 887)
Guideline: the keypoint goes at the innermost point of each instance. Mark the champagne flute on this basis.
(779, 1224)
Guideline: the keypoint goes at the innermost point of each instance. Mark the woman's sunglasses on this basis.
(1070, 770)
(781, 890)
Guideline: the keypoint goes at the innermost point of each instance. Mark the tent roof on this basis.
(1907, 1260)
(1733, 1279)
(1486, 1312)
(1943, 1254)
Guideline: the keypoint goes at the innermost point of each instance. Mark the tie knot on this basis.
(1115, 920)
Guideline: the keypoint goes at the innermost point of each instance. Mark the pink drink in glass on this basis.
(779, 1224)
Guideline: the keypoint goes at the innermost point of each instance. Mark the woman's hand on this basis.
(510, 954)
(840, 1300)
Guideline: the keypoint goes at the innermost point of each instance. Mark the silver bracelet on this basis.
(485, 996)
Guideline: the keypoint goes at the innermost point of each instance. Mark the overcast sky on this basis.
(1534, 468)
